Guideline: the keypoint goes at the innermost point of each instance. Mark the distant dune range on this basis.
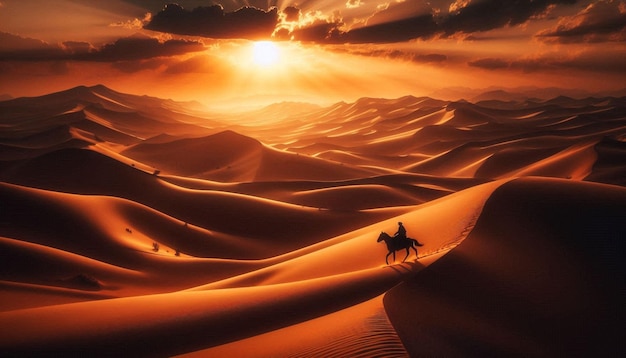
(136, 226)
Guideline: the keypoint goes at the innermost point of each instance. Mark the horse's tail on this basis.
(415, 242)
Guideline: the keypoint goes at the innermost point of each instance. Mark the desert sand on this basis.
(135, 226)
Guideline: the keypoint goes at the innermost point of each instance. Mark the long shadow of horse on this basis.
(395, 243)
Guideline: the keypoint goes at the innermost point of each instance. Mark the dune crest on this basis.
(539, 278)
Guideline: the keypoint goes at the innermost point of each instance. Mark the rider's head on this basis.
(400, 223)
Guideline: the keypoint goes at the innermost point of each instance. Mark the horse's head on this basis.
(383, 235)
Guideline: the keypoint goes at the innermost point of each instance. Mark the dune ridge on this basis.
(139, 324)
(132, 225)
(359, 330)
(550, 275)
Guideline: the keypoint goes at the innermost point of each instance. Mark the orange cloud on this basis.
(134, 24)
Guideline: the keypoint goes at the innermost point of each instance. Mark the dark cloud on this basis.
(525, 65)
(292, 13)
(399, 21)
(380, 29)
(319, 31)
(13, 47)
(404, 55)
(77, 47)
(230, 5)
(324, 31)
(138, 48)
(490, 63)
(214, 22)
(422, 26)
(475, 16)
(492, 14)
(599, 22)
(609, 62)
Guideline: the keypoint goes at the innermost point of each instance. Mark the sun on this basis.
(265, 53)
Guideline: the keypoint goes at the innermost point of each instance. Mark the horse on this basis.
(395, 243)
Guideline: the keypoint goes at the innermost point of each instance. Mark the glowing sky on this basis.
(324, 50)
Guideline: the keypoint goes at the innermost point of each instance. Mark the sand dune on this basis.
(441, 138)
(439, 220)
(539, 278)
(111, 116)
(347, 195)
(609, 168)
(309, 292)
(239, 158)
(361, 330)
(136, 226)
(255, 218)
(152, 325)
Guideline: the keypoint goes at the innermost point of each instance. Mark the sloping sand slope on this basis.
(239, 159)
(161, 325)
(362, 330)
(541, 274)
(311, 282)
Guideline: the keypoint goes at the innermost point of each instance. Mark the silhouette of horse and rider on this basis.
(398, 242)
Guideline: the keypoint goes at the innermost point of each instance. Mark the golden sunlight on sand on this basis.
(134, 226)
(316, 178)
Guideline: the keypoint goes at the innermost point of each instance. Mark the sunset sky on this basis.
(319, 50)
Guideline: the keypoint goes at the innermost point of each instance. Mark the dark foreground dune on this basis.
(133, 226)
(541, 274)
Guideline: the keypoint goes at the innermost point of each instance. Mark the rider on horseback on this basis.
(399, 241)
(401, 233)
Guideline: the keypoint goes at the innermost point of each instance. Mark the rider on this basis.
(401, 233)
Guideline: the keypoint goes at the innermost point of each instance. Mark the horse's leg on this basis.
(414, 249)
(407, 254)
(386, 257)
